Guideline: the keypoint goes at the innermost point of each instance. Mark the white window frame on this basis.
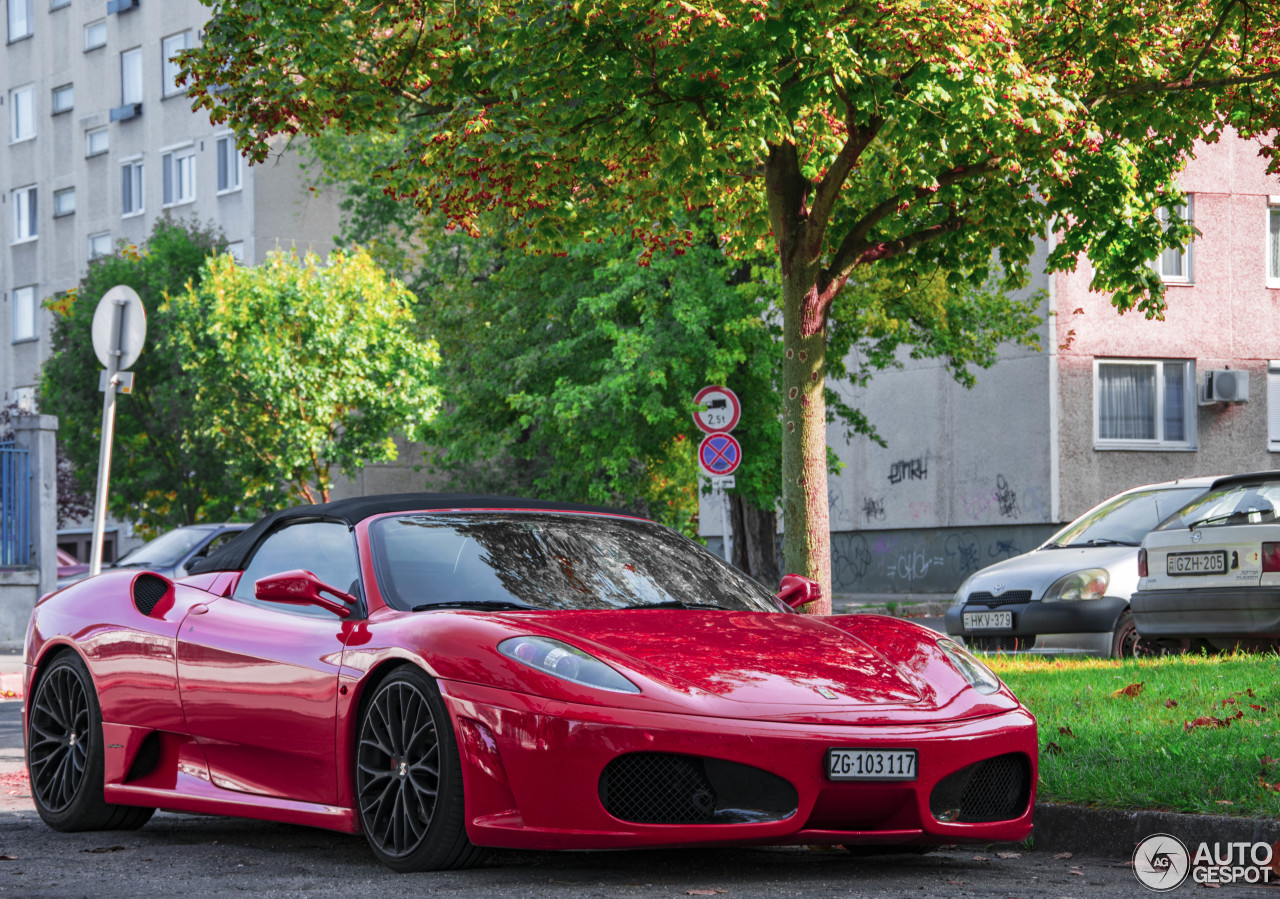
(178, 175)
(22, 113)
(91, 32)
(225, 153)
(62, 90)
(93, 249)
(130, 76)
(1159, 443)
(133, 201)
(170, 70)
(91, 135)
(235, 250)
(58, 4)
(25, 315)
(25, 220)
(1188, 213)
(1272, 260)
(25, 399)
(60, 202)
(19, 14)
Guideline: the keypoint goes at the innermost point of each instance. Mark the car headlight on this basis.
(979, 676)
(1091, 583)
(565, 662)
(962, 593)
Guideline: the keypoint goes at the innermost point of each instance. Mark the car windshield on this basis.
(1125, 519)
(1249, 503)
(519, 560)
(166, 550)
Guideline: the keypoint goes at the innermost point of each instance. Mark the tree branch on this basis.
(828, 189)
(1184, 84)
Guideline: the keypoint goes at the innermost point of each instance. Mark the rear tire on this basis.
(409, 777)
(64, 753)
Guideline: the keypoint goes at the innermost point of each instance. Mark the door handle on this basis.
(198, 609)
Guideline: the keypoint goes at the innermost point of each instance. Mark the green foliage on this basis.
(158, 479)
(299, 367)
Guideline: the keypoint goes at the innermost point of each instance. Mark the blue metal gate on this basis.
(15, 507)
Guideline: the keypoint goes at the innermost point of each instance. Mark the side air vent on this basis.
(148, 591)
(666, 788)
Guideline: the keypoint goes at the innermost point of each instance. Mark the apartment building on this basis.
(969, 477)
(100, 140)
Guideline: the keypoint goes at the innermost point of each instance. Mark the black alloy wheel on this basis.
(409, 777)
(1127, 643)
(64, 752)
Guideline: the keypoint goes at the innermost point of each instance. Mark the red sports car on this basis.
(446, 673)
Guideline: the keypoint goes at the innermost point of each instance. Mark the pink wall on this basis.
(1227, 317)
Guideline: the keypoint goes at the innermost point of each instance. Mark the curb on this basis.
(1113, 833)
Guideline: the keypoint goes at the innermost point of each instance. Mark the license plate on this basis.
(1213, 562)
(871, 764)
(988, 621)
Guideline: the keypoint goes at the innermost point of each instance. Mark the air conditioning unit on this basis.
(1225, 385)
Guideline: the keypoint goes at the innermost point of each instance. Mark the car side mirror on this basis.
(797, 590)
(302, 588)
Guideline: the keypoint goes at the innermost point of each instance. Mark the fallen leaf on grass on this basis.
(1258, 708)
(1223, 802)
(1052, 748)
(1062, 855)
(1171, 703)
(1066, 731)
(1210, 721)
(1008, 855)
(1131, 691)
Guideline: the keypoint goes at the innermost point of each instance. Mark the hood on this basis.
(791, 661)
(1037, 570)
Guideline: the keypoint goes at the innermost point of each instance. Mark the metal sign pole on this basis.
(108, 431)
(728, 530)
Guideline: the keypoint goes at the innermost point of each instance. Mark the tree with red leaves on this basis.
(904, 137)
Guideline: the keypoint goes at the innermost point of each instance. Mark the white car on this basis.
(1071, 594)
(1211, 572)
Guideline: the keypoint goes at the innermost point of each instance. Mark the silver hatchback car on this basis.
(1071, 594)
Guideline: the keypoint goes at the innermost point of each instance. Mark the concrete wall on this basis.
(1226, 317)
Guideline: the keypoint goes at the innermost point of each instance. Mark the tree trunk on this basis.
(805, 519)
(755, 543)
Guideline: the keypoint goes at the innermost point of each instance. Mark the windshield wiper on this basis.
(1234, 517)
(675, 604)
(500, 604)
(1108, 541)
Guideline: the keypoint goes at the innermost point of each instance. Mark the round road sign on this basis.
(125, 340)
(719, 454)
(719, 410)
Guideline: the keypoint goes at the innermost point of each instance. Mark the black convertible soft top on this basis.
(234, 554)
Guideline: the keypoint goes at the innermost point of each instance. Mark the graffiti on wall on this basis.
(916, 469)
(926, 560)
(873, 508)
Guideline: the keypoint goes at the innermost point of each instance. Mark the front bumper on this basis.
(1049, 628)
(1214, 612)
(532, 770)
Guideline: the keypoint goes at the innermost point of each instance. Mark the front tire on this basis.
(64, 753)
(1127, 643)
(409, 777)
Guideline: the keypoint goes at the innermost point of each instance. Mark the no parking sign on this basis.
(719, 455)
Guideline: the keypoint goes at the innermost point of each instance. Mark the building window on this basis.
(235, 250)
(25, 399)
(131, 188)
(179, 173)
(64, 201)
(95, 35)
(25, 214)
(170, 70)
(58, 4)
(1273, 242)
(1174, 266)
(99, 245)
(228, 164)
(19, 19)
(22, 113)
(95, 142)
(131, 76)
(24, 313)
(1144, 404)
(64, 98)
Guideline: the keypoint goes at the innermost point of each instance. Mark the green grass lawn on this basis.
(1201, 735)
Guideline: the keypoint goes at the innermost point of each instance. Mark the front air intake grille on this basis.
(665, 788)
(1002, 643)
(148, 590)
(996, 789)
(1007, 598)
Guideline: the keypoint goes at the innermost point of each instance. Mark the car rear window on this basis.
(1247, 503)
